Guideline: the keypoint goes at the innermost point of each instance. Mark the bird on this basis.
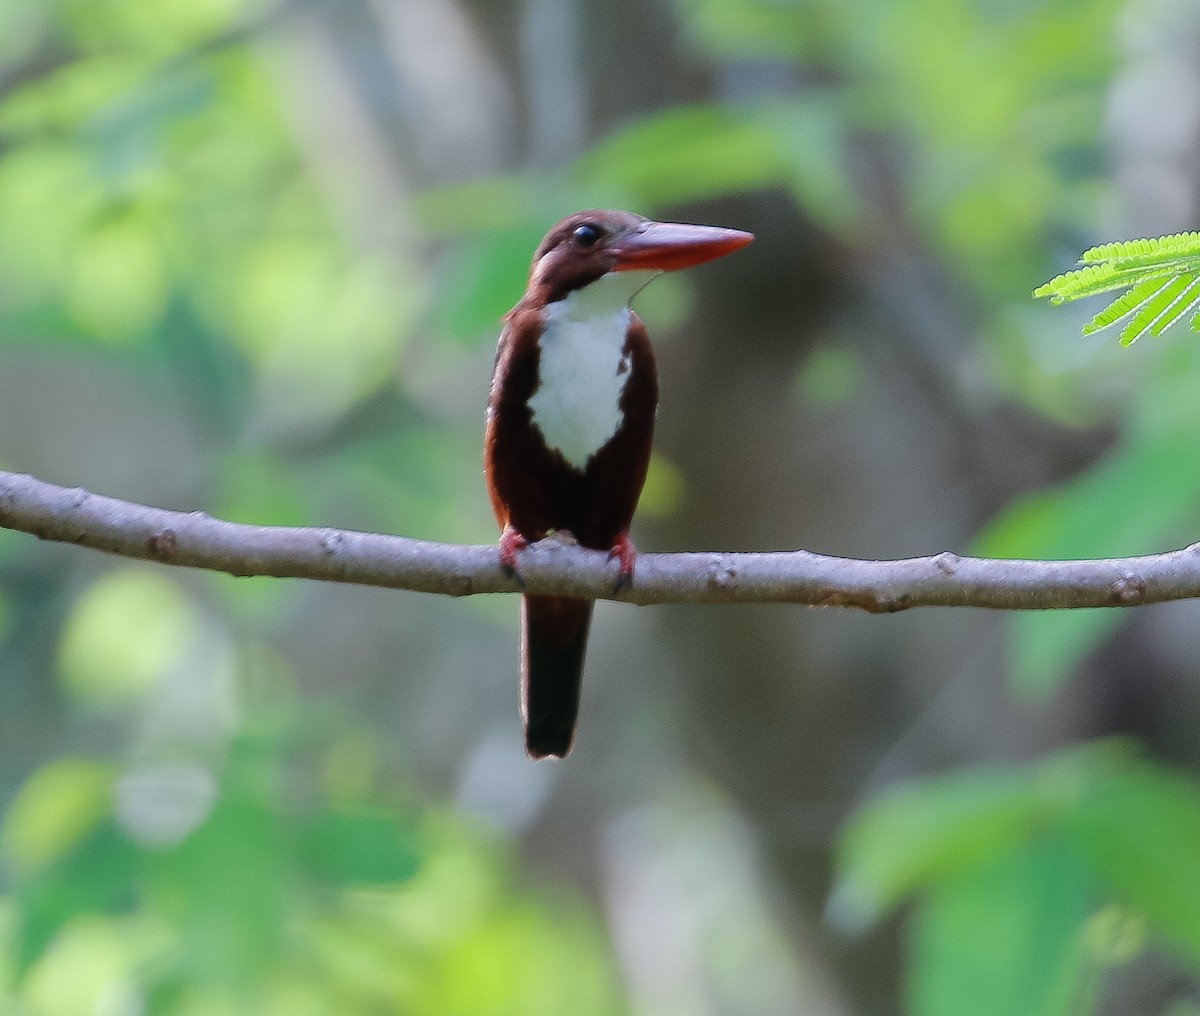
(570, 420)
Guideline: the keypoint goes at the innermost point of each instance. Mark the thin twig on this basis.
(556, 566)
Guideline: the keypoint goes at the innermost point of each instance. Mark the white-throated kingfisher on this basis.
(569, 427)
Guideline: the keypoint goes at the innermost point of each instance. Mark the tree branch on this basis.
(557, 566)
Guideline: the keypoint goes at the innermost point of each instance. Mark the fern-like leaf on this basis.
(1161, 276)
(1145, 251)
(1183, 304)
(1159, 307)
(1131, 302)
(1094, 279)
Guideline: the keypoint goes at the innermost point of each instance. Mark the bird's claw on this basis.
(626, 553)
(511, 544)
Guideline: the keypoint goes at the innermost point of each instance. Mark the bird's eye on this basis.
(586, 235)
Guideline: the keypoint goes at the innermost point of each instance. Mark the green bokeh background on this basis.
(252, 261)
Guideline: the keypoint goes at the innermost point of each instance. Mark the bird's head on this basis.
(589, 245)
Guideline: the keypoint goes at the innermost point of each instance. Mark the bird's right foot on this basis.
(511, 544)
(626, 553)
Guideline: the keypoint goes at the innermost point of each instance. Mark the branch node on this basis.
(77, 498)
(332, 543)
(721, 576)
(1129, 589)
(946, 562)
(163, 544)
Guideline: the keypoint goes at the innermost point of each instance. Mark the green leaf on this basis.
(1095, 279)
(1003, 938)
(1181, 305)
(1047, 645)
(1127, 304)
(1140, 832)
(1099, 513)
(917, 834)
(492, 204)
(127, 631)
(486, 278)
(1162, 308)
(99, 876)
(685, 154)
(1145, 251)
(225, 886)
(55, 810)
(359, 847)
(1163, 274)
(812, 134)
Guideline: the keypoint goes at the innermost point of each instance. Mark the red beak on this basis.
(669, 246)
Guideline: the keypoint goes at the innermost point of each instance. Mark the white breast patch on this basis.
(583, 366)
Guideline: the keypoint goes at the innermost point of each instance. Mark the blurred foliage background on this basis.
(252, 260)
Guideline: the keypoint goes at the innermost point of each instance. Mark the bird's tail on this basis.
(554, 632)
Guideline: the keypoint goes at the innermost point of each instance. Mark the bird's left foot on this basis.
(626, 553)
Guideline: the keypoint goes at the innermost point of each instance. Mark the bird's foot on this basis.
(511, 544)
(626, 553)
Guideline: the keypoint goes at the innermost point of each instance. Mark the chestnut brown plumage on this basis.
(570, 423)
